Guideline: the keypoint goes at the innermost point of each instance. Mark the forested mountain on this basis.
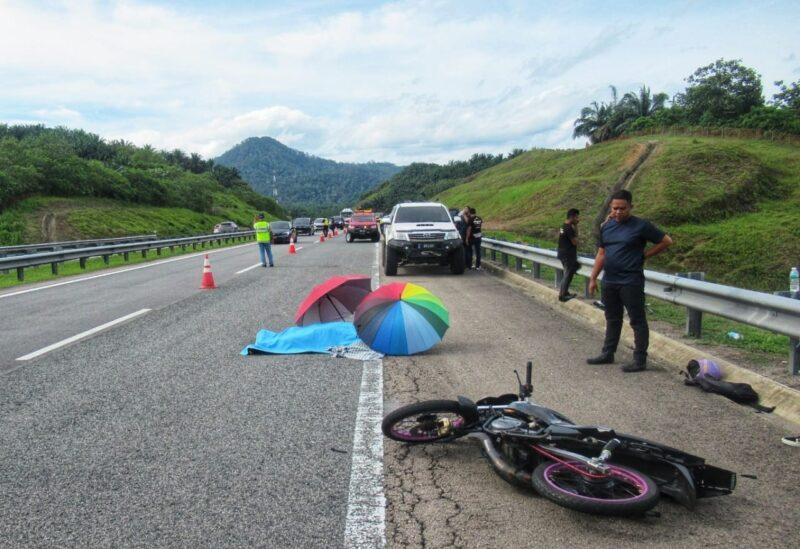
(420, 181)
(303, 180)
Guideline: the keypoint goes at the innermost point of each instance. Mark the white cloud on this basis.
(400, 81)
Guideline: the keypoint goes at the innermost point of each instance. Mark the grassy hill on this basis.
(730, 204)
(51, 218)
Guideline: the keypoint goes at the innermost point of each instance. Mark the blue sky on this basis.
(395, 81)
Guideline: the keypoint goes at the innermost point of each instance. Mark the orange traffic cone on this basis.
(208, 279)
(335, 232)
(321, 237)
(292, 249)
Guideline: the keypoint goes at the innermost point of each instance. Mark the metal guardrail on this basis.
(770, 312)
(21, 262)
(71, 244)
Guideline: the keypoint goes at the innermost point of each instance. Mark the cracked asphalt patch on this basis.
(446, 495)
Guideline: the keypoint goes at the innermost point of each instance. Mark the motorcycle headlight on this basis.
(451, 235)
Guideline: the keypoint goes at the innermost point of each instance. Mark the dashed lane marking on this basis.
(81, 335)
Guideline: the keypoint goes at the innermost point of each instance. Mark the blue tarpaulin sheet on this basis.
(315, 338)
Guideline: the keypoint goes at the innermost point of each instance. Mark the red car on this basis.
(363, 226)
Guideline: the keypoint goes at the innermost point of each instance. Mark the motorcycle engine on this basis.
(505, 423)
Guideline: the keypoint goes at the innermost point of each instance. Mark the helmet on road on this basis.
(703, 369)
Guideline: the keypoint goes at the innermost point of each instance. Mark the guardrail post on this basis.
(536, 269)
(694, 317)
(194, 245)
(20, 273)
(518, 263)
(794, 342)
(144, 253)
(504, 257)
(158, 251)
(106, 259)
(494, 255)
(82, 262)
(54, 268)
(586, 287)
(125, 256)
(558, 278)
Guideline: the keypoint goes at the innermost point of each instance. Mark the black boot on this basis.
(635, 366)
(606, 358)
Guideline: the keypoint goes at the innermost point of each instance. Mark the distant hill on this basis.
(302, 179)
(730, 204)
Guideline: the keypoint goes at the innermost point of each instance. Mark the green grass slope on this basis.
(732, 205)
(41, 219)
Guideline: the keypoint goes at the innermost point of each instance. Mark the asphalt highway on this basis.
(155, 432)
(35, 316)
(446, 495)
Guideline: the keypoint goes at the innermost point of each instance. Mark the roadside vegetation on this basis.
(721, 94)
(116, 178)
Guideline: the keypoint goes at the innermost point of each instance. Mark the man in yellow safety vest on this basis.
(263, 239)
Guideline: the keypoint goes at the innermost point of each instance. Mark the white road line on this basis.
(145, 266)
(298, 248)
(366, 503)
(82, 335)
(248, 268)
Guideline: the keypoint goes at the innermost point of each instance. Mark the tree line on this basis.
(37, 160)
(720, 94)
(420, 181)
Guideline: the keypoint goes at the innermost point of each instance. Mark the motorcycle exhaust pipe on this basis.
(500, 464)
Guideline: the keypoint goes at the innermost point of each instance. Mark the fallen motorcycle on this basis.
(589, 469)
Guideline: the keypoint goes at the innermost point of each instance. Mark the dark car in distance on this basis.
(303, 225)
(281, 231)
(337, 221)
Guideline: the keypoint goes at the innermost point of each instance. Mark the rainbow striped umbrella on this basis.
(401, 319)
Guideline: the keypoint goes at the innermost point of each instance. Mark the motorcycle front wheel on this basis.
(429, 421)
(620, 491)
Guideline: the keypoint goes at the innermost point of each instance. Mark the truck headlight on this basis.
(401, 236)
(451, 235)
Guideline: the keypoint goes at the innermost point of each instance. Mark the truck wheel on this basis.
(390, 267)
(349, 237)
(457, 262)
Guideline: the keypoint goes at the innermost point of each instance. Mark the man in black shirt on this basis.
(568, 252)
(621, 254)
(474, 239)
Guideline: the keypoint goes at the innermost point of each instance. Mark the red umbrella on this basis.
(333, 300)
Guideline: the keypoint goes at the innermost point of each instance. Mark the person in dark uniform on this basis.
(568, 252)
(473, 239)
(621, 254)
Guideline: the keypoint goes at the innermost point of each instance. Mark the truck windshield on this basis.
(422, 214)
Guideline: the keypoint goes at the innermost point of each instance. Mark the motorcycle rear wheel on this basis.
(423, 422)
(621, 492)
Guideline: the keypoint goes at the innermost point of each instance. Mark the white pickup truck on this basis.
(422, 233)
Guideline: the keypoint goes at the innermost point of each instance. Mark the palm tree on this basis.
(600, 122)
(643, 104)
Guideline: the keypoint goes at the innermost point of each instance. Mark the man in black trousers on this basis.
(621, 254)
(568, 252)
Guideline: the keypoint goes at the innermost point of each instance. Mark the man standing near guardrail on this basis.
(263, 239)
(568, 252)
(621, 254)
